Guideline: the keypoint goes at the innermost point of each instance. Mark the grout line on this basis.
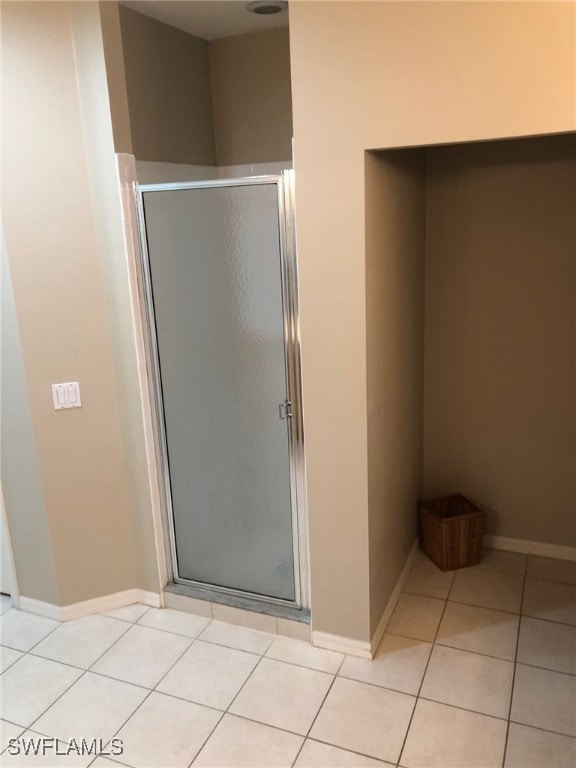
(126, 621)
(475, 653)
(346, 749)
(307, 734)
(486, 607)
(489, 608)
(190, 644)
(546, 730)
(22, 653)
(227, 710)
(75, 666)
(107, 757)
(302, 666)
(424, 675)
(39, 641)
(546, 669)
(234, 648)
(206, 740)
(503, 718)
(153, 690)
(85, 672)
(515, 666)
(30, 727)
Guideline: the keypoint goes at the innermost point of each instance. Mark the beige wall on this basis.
(395, 238)
(500, 416)
(168, 86)
(226, 102)
(251, 97)
(369, 75)
(364, 76)
(60, 245)
(21, 481)
(115, 74)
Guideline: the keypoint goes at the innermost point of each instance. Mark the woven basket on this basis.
(451, 531)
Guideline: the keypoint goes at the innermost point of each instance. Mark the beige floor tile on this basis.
(503, 562)
(209, 674)
(188, 604)
(550, 569)
(23, 631)
(7, 657)
(364, 718)
(249, 619)
(550, 601)
(95, 707)
(47, 753)
(547, 644)
(297, 630)
(480, 630)
(532, 748)
(165, 732)
(304, 654)
(416, 617)
(399, 664)
(5, 603)
(31, 685)
(239, 743)
(544, 699)
(282, 695)
(487, 589)
(178, 622)
(82, 641)
(427, 579)
(104, 762)
(142, 656)
(9, 731)
(233, 636)
(317, 755)
(129, 613)
(470, 681)
(445, 737)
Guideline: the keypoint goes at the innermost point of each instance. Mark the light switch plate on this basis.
(66, 395)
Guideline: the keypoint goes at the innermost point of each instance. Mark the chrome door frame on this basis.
(290, 311)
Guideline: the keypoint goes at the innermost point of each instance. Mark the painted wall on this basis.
(251, 97)
(372, 75)
(169, 93)
(223, 102)
(70, 309)
(21, 480)
(395, 243)
(500, 388)
(115, 75)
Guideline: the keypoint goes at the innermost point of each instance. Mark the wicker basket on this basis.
(451, 531)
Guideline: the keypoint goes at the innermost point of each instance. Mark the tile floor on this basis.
(477, 669)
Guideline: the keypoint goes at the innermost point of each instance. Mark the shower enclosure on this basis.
(219, 272)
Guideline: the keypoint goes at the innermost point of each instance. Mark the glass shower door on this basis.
(215, 280)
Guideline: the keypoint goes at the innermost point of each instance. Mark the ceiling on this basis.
(209, 19)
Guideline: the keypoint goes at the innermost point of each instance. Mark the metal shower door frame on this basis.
(290, 310)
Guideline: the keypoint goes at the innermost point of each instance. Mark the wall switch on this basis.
(66, 395)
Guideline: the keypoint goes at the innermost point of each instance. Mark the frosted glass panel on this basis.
(216, 283)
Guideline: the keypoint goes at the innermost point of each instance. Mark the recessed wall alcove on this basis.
(470, 281)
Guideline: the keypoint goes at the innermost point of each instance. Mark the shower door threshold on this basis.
(246, 603)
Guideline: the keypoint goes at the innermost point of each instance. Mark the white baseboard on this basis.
(30, 605)
(362, 648)
(87, 607)
(349, 645)
(403, 578)
(557, 551)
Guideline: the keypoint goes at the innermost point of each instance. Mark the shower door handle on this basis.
(285, 409)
